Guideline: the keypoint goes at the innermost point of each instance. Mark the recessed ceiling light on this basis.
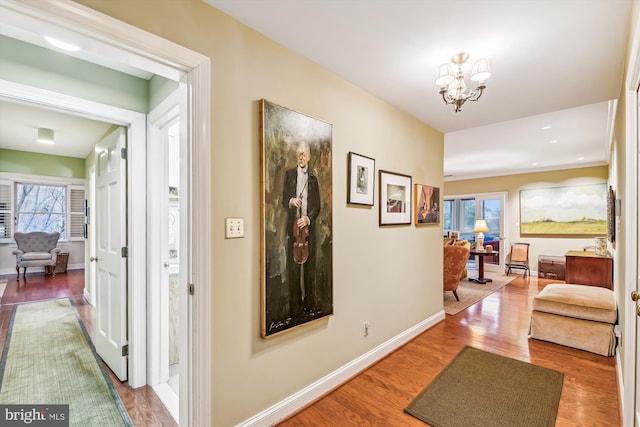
(45, 136)
(546, 127)
(534, 164)
(553, 141)
(580, 158)
(62, 45)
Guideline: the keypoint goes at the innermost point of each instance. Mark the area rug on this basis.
(471, 292)
(484, 389)
(48, 358)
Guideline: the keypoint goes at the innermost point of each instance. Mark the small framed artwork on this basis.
(426, 204)
(395, 198)
(361, 179)
(454, 234)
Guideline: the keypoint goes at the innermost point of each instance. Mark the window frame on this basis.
(72, 210)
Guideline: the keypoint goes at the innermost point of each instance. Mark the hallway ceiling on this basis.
(554, 64)
(557, 67)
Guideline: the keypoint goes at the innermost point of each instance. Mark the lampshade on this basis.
(445, 75)
(481, 226)
(45, 136)
(481, 71)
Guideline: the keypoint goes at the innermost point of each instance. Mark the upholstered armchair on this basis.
(454, 264)
(36, 249)
(459, 242)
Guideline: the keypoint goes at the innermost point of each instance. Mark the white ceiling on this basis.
(555, 63)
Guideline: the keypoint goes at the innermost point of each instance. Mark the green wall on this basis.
(46, 69)
(41, 164)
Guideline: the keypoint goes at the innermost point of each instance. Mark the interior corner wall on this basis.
(512, 184)
(390, 276)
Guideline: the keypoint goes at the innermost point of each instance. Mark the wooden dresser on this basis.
(585, 268)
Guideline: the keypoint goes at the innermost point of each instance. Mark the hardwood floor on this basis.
(378, 395)
(144, 407)
(498, 324)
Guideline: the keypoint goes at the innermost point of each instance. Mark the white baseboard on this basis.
(12, 270)
(309, 394)
(620, 382)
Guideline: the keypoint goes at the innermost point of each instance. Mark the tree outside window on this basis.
(41, 208)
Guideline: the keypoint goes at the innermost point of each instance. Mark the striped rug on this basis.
(48, 358)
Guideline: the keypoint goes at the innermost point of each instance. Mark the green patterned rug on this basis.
(48, 358)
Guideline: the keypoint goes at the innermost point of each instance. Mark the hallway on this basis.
(143, 406)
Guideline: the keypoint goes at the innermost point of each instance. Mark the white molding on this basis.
(200, 251)
(311, 393)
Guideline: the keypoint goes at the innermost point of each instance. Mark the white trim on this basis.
(200, 250)
(115, 39)
(157, 198)
(630, 213)
(311, 393)
(39, 179)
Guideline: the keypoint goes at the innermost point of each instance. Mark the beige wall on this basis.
(512, 184)
(390, 276)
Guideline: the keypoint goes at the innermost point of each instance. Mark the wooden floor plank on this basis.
(499, 324)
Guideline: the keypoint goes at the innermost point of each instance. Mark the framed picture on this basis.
(395, 198)
(426, 204)
(454, 234)
(579, 211)
(611, 215)
(296, 219)
(361, 178)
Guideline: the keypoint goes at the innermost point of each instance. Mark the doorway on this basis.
(118, 42)
(167, 244)
(461, 212)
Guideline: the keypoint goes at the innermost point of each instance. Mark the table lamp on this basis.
(480, 228)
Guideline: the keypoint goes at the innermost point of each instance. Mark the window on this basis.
(41, 208)
(29, 203)
(6, 196)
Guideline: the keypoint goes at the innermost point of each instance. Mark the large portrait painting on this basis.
(297, 243)
(579, 211)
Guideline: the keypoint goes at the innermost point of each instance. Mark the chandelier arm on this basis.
(478, 94)
(447, 100)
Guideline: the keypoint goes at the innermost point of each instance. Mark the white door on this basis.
(491, 207)
(111, 277)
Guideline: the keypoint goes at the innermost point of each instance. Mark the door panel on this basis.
(111, 279)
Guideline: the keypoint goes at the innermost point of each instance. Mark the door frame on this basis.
(113, 39)
(503, 196)
(630, 338)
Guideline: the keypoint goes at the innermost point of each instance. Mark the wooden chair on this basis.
(518, 258)
(454, 263)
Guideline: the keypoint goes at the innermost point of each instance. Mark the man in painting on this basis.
(301, 198)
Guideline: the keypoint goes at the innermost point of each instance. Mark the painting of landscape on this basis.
(579, 211)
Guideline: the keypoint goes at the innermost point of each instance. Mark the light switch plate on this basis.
(234, 228)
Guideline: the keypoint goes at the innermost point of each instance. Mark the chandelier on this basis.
(452, 86)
